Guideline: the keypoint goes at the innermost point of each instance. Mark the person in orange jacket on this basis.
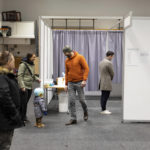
(76, 74)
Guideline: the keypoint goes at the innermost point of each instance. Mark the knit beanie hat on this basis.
(67, 49)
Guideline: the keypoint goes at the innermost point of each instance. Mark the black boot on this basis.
(85, 116)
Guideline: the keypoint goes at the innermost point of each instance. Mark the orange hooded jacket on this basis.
(76, 68)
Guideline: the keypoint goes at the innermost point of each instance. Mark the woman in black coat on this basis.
(10, 117)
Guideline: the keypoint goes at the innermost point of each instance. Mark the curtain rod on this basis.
(93, 29)
(81, 17)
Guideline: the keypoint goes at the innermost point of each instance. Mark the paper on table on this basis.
(57, 86)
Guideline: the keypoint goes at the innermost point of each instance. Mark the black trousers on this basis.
(6, 139)
(25, 96)
(104, 99)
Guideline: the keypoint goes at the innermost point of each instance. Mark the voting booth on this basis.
(136, 65)
(136, 70)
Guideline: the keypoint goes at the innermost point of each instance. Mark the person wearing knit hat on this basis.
(67, 49)
(68, 52)
(76, 74)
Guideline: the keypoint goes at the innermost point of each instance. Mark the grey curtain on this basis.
(92, 45)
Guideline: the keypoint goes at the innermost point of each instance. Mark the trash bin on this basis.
(63, 101)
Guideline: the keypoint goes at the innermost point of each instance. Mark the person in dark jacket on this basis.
(10, 117)
(26, 77)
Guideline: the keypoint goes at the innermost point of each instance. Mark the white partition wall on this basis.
(46, 55)
(136, 89)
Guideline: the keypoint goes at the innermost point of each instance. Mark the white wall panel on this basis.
(46, 55)
(136, 93)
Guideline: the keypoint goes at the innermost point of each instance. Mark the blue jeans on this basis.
(74, 87)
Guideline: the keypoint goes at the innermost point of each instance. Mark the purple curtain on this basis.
(92, 45)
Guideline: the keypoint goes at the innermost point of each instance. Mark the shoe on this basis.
(26, 118)
(71, 122)
(106, 112)
(37, 125)
(42, 125)
(85, 116)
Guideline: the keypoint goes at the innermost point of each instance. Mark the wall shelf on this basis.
(12, 41)
(20, 31)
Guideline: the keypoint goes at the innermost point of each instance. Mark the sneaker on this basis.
(71, 122)
(106, 112)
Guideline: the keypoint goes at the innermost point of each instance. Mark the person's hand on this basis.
(66, 89)
(39, 81)
(23, 89)
(45, 113)
(83, 83)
